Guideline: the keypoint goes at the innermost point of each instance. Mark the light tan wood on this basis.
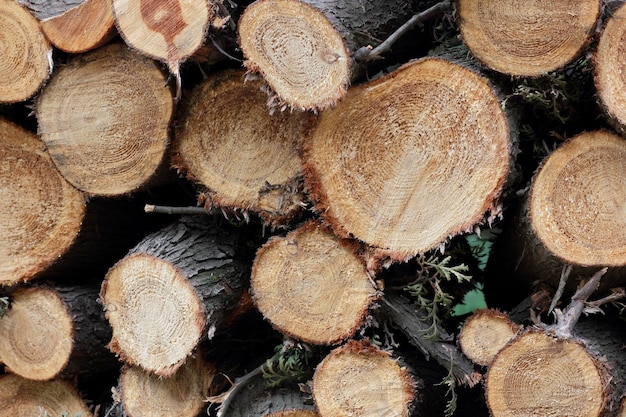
(176, 287)
(610, 67)
(576, 203)
(25, 54)
(527, 39)
(408, 160)
(538, 375)
(297, 51)
(248, 165)
(311, 286)
(82, 28)
(183, 394)
(359, 379)
(104, 118)
(42, 212)
(25, 398)
(484, 334)
(167, 30)
(37, 336)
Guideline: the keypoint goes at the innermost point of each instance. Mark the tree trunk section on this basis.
(42, 212)
(484, 334)
(82, 28)
(26, 59)
(311, 286)
(183, 394)
(574, 215)
(23, 397)
(104, 118)
(360, 379)
(248, 165)
(174, 285)
(167, 30)
(441, 144)
(302, 48)
(531, 40)
(50, 332)
(609, 68)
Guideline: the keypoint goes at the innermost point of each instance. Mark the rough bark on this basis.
(573, 215)
(183, 394)
(440, 142)
(55, 331)
(104, 118)
(45, 9)
(42, 213)
(175, 285)
(26, 58)
(252, 397)
(360, 379)
(531, 40)
(23, 397)
(311, 286)
(248, 165)
(81, 28)
(401, 314)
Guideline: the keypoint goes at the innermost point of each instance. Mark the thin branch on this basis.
(366, 53)
(399, 310)
(149, 208)
(594, 306)
(567, 269)
(226, 398)
(566, 320)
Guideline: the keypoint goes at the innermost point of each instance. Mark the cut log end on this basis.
(167, 30)
(538, 375)
(540, 37)
(157, 318)
(81, 28)
(25, 61)
(252, 164)
(297, 50)
(36, 337)
(359, 379)
(577, 199)
(484, 334)
(181, 395)
(610, 68)
(311, 286)
(42, 212)
(386, 165)
(24, 397)
(104, 118)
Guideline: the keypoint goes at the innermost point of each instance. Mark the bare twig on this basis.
(567, 269)
(402, 314)
(226, 398)
(149, 208)
(366, 53)
(567, 319)
(594, 306)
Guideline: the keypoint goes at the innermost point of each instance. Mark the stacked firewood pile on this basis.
(283, 208)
